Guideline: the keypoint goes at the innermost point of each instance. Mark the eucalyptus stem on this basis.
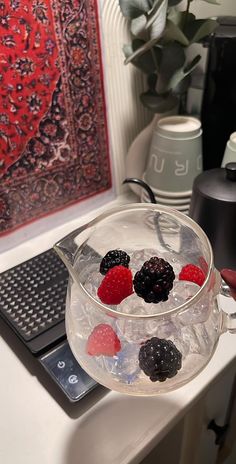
(186, 14)
(188, 5)
(154, 58)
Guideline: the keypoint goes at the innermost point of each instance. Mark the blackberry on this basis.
(159, 359)
(114, 258)
(154, 280)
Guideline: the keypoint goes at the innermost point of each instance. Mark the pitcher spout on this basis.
(67, 249)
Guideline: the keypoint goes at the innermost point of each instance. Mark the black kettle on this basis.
(213, 207)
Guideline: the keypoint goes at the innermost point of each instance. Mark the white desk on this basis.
(39, 426)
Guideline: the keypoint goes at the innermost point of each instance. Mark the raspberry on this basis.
(114, 258)
(116, 285)
(159, 359)
(192, 273)
(103, 341)
(154, 280)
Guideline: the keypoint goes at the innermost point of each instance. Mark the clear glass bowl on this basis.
(190, 318)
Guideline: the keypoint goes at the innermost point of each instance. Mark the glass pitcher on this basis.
(134, 346)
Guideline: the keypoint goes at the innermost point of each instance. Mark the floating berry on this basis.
(159, 359)
(114, 258)
(154, 280)
(103, 341)
(192, 273)
(116, 285)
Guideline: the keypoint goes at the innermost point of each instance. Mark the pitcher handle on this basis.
(228, 288)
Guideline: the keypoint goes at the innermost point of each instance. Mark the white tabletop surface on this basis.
(38, 425)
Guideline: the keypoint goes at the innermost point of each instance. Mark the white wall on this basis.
(204, 9)
(126, 115)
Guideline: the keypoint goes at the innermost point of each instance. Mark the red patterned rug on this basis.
(53, 130)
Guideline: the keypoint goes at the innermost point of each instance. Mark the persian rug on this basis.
(53, 132)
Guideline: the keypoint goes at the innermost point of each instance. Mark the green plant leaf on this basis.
(145, 47)
(182, 86)
(158, 103)
(189, 67)
(148, 62)
(127, 50)
(180, 18)
(138, 26)
(214, 2)
(181, 74)
(200, 28)
(157, 19)
(173, 2)
(134, 8)
(172, 59)
(156, 11)
(174, 16)
(173, 33)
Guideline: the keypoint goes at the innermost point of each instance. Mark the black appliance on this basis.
(218, 111)
(32, 304)
(213, 207)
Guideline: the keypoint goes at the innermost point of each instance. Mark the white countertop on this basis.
(39, 426)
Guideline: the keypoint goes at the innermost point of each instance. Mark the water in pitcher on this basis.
(193, 331)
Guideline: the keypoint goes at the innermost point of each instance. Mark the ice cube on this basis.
(84, 315)
(166, 329)
(198, 312)
(93, 281)
(195, 338)
(140, 329)
(125, 365)
(133, 304)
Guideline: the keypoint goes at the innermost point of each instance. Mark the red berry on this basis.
(116, 285)
(103, 341)
(192, 273)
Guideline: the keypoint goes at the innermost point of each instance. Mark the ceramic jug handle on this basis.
(228, 288)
